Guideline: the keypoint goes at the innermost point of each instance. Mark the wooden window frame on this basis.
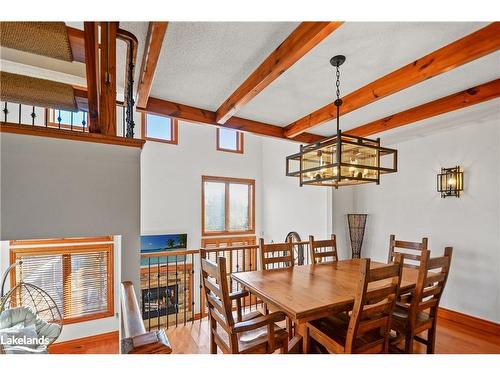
(240, 144)
(52, 124)
(66, 252)
(174, 124)
(227, 181)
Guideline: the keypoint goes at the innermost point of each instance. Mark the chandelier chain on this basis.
(337, 82)
(338, 102)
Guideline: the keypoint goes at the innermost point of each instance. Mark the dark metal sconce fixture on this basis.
(450, 182)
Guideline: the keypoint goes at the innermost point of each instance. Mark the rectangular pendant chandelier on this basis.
(342, 160)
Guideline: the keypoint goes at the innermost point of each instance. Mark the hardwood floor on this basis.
(452, 338)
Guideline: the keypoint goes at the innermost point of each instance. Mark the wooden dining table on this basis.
(313, 291)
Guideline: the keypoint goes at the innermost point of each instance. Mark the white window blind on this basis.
(79, 281)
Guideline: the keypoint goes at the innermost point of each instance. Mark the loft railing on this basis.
(171, 286)
(40, 117)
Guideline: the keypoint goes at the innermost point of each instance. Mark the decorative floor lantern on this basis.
(357, 223)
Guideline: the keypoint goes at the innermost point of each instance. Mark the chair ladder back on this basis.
(430, 284)
(412, 250)
(215, 286)
(323, 250)
(374, 303)
(276, 255)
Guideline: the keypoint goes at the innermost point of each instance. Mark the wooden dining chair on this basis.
(421, 314)
(411, 250)
(366, 328)
(276, 255)
(251, 333)
(323, 250)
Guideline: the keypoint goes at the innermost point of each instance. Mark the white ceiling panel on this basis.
(202, 63)
(477, 114)
(373, 49)
(462, 78)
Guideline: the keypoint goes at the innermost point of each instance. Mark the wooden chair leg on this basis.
(284, 347)
(431, 339)
(409, 344)
(213, 345)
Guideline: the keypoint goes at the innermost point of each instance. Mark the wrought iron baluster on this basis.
(59, 119)
(158, 296)
(149, 294)
(33, 116)
(5, 112)
(123, 121)
(176, 285)
(167, 288)
(20, 113)
(192, 289)
(84, 116)
(184, 291)
(71, 121)
(130, 95)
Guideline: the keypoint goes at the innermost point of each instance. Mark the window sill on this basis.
(40, 131)
(80, 319)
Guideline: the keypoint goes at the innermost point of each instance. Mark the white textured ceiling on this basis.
(202, 63)
(477, 114)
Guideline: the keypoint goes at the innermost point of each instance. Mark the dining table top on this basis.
(312, 291)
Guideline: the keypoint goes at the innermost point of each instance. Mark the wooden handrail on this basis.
(169, 253)
(137, 340)
(210, 250)
(131, 313)
(229, 248)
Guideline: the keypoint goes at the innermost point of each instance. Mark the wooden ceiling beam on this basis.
(462, 51)
(304, 38)
(193, 114)
(462, 99)
(152, 49)
(76, 39)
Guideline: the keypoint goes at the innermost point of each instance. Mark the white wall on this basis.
(286, 206)
(61, 188)
(407, 205)
(171, 179)
(171, 185)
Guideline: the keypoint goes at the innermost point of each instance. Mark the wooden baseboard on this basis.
(105, 343)
(469, 320)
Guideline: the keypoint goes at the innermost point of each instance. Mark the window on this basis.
(159, 128)
(68, 120)
(78, 276)
(229, 140)
(228, 205)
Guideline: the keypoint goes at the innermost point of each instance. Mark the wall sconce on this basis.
(450, 182)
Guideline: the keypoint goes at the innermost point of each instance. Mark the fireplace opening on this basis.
(160, 301)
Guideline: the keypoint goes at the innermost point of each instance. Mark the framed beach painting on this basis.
(158, 243)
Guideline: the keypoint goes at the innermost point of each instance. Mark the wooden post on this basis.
(91, 67)
(107, 103)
